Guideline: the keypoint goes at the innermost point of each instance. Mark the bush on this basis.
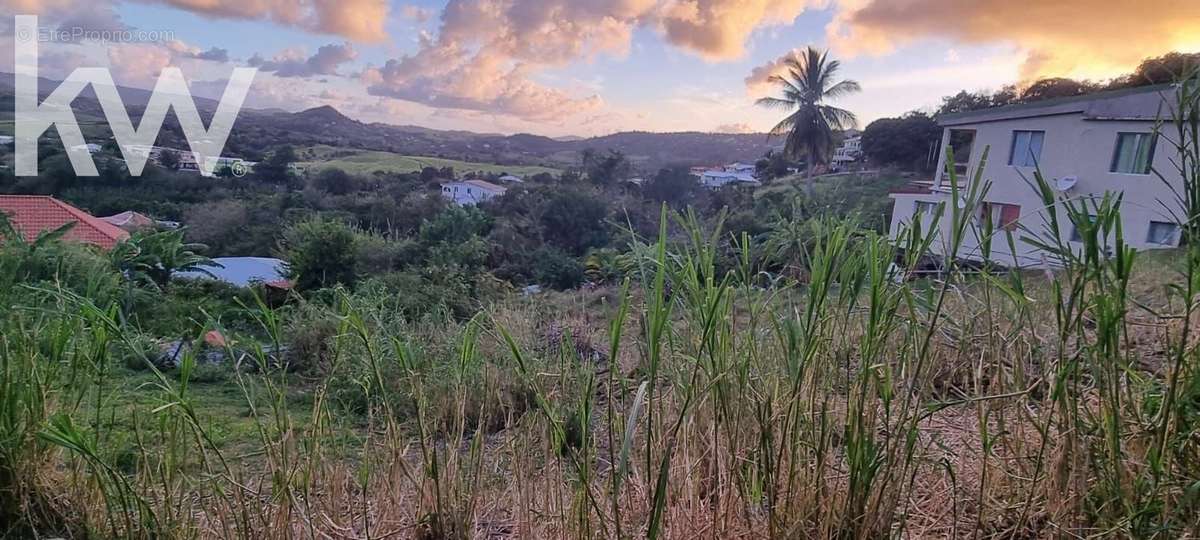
(336, 182)
(136, 351)
(554, 268)
(321, 253)
(376, 254)
(309, 336)
(207, 373)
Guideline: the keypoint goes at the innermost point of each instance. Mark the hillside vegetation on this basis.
(366, 162)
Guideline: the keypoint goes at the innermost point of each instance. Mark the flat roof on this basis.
(1140, 103)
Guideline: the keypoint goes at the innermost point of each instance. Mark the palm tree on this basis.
(807, 87)
(156, 256)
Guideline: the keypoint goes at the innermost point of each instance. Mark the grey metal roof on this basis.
(242, 271)
(1141, 103)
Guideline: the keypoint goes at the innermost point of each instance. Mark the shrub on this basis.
(321, 253)
(309, 336)
(336, 182)
(555, 268)
(135, 351)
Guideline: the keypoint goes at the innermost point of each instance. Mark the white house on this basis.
(1084, 146)
(849, 151)
(739, 167)
(91, 148)
(471, 192)
(510, 179)
(718, 178)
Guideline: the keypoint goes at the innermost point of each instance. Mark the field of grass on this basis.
(366, 162)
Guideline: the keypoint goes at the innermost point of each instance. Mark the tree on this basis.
(807, 87)
(320, 253)
(157, 255)
(1159, 70)
(574, 220)
(335, 182)
(277, 169)
(169, 160)
(1055, 87)
(904, 142)
(964, 101)
(554, 268)
(605, 169)
(673, 186)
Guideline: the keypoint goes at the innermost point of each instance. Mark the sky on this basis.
(590, 67)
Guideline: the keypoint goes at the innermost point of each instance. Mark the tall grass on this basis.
(692, 401)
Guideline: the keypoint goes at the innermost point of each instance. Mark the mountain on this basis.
(256, 131)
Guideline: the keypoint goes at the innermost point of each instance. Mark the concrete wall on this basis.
(1072, 146)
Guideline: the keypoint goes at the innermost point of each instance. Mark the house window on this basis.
(1133, 153)
(926, 207)
(1026, 148)
(1162, 233)
(1002, 216)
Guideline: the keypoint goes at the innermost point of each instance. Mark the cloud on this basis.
(416, 13)
(292, 63)
(487, 53)
(453, 78)
(1081, 38)
(758, 81)
(138, 64)
(183, 50)
(717, 29)
(360, 20)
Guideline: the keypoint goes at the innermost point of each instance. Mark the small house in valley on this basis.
(471, 192)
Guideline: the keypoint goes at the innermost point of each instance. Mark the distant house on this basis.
(849, 151)
(1085, 146)
(130, 221)
(32, 215)
(153, 153)
(91, 148)
(739, 167)
(187, 160)
(510, 179)
(719, 178)
(471, 192)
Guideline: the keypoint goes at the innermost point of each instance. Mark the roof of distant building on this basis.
(482, 184)
(35, 214)
(129, 220)
(243, 271)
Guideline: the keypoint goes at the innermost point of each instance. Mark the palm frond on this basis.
(842, 89)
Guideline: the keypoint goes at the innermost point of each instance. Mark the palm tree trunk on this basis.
(808, 174)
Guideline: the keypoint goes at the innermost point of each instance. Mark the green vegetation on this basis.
(366, 162)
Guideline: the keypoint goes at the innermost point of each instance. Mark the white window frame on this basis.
(1028, 149)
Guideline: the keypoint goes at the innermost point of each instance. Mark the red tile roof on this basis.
(34, 214)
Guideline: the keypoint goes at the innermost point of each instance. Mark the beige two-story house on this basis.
(1084, 146)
